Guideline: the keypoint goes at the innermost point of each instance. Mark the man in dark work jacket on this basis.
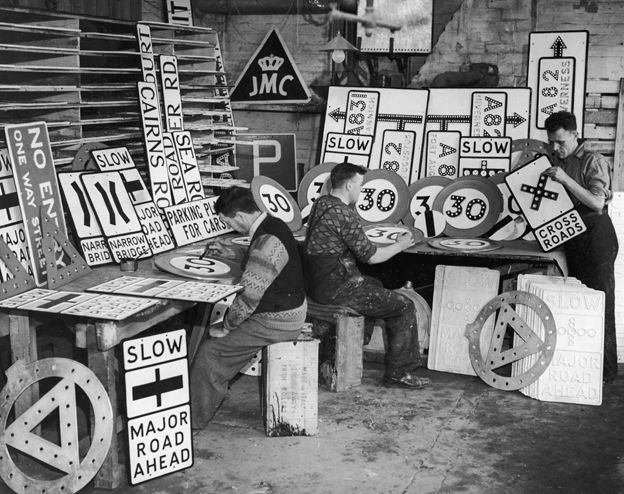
(270, 309)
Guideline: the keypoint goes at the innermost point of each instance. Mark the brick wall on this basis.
(490, 31)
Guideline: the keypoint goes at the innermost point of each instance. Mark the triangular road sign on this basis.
(21, 280)
(76, 267)
(271, 75)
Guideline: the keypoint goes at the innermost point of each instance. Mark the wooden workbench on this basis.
(100, 338)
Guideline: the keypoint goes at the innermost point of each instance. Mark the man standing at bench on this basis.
(270, 309)
(334, 240)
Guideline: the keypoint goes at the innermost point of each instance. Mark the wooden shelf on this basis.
(79, 74)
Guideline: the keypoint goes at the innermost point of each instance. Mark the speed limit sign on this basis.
(470, 205)
(384, 197)
(422, 194)
(273, 199)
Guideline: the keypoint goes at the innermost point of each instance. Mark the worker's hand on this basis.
(219, 250)
(217, 330)
(405, 240)
(557, 174)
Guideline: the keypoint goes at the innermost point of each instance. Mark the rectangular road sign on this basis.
(159, 444)
(35, 178)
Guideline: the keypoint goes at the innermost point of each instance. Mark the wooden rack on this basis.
(79, 75)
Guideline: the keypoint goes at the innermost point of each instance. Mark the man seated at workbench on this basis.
(334, 240)
(270, 309)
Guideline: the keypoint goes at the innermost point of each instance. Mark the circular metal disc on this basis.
(77, 470)
(471, 206)
(83, 159)
(193, 266)
(465, 245)
(533, 345)
(275, 200)
(525, 150)
(422, 194)
(387, 233)
(312, 183)
(384, 197)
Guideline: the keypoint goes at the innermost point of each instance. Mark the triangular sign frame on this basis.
(64, 457)
(21, 280)
(56, 276)
(271, 75)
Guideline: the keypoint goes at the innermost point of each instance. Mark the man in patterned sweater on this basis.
(270, 309)
(335, 239)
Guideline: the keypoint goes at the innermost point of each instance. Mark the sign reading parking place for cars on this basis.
(157, 405)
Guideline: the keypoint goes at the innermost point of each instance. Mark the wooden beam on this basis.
(618, 162)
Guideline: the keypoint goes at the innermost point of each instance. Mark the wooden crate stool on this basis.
(290, 387)
(340, 353)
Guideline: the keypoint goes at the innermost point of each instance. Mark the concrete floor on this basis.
(457, 436)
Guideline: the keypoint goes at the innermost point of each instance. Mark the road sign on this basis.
(116, 214)
(556, 73)
(442, 156)
(152, 133)
(384, 197)
(484, 156)
(188, 165)
(157, 396)
(271, 75)
(112, 159)
(86, 226)
(270, 155)
(545, 204)
(422, 194)
(194, 221)
(313, 183)
(273, 199)
(35, 178)
(474, 112)
(12, 229)
(379, 128)
(471, 206)
(171, 92)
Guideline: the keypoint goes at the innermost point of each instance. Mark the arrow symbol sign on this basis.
(557, 47)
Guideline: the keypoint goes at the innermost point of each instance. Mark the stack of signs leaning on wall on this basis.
(37, 187)
(454, 113)
(545, 204)
(376, 128)
(556, 73)
(114, 211)
(152, 221)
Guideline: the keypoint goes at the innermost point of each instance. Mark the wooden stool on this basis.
(340, 353)
(290, 387)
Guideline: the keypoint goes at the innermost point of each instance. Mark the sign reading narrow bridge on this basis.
(157, 405)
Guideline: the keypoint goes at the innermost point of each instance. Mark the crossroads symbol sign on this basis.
(540, 192)
(483, 170)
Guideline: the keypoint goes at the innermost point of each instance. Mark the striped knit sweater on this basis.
(267, 258)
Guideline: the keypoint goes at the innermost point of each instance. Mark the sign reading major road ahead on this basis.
(157, 405)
